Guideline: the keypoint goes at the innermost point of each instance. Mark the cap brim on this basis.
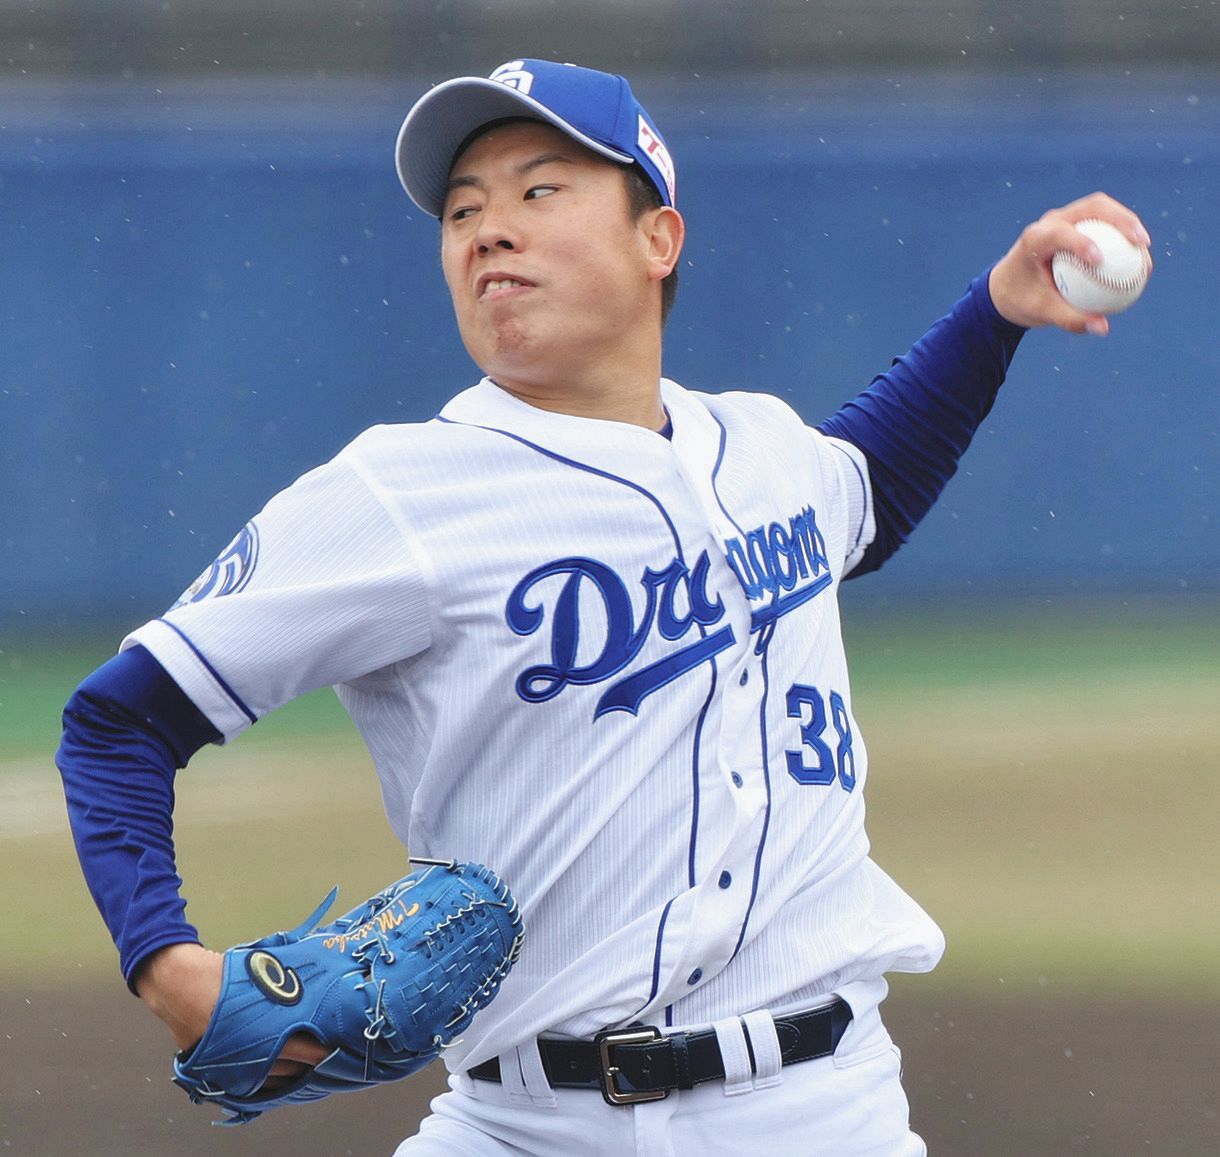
(441, 121)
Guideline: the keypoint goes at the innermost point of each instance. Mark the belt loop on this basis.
(534, 1076)
(680, 1051)
(512, 1078)
(524, 1078)
(731, 1036)
(764, 1044)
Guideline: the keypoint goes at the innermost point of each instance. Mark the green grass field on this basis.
(1044, 782)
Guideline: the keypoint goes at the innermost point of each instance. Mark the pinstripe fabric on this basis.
(574, 649)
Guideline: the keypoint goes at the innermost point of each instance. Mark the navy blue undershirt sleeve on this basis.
(127, 728)
(915, 421)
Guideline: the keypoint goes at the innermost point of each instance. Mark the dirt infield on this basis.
(84, 1073)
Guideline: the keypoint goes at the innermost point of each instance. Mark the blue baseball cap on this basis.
(597, 109)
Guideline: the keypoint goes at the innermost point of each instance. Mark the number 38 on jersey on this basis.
(817, 762)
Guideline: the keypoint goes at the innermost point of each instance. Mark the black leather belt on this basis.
(641, 1064)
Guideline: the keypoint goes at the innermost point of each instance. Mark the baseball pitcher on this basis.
(586, 620)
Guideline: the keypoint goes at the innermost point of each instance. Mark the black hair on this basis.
(643, 195)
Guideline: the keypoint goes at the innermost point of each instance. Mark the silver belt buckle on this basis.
(605, 1041)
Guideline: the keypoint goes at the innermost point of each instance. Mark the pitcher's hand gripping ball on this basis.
(385, 986)
(1111, 286)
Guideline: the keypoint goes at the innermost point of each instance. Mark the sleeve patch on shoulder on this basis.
(229, 573)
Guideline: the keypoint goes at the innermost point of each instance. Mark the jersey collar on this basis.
(616, 447)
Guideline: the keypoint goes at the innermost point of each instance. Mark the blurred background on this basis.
(212, 281)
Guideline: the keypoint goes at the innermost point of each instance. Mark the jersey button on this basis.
(695, 976)
(725, 879)
(737, 780)
(745, 678)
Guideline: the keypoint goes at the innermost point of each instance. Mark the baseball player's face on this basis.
(553, 283)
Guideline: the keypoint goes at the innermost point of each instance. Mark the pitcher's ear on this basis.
(666, 233)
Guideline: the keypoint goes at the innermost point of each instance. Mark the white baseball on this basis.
(1111, 286)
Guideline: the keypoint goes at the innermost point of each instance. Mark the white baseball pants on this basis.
(848, 1105)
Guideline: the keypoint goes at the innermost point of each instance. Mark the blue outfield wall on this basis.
(208, 290)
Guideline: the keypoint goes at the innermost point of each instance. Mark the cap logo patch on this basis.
(654, 149)
(514, 75)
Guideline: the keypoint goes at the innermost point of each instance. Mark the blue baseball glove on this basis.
(386, 986)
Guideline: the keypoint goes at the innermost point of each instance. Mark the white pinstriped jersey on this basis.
(605, 663)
